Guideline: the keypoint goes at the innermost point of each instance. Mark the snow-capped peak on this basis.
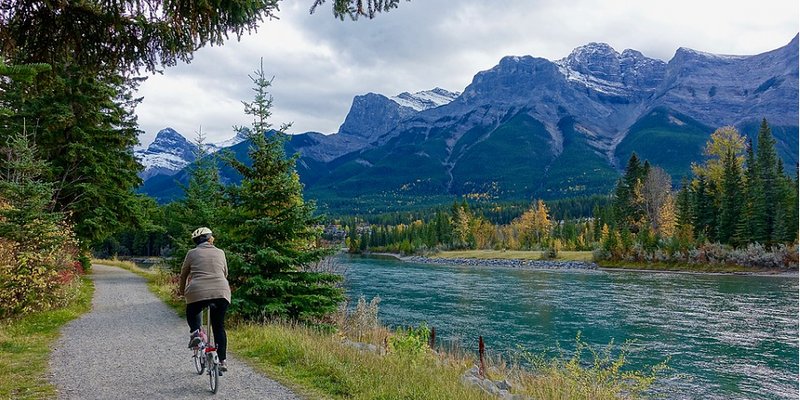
(425, 100)
(240, 137)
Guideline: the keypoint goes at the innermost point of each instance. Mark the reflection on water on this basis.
(727, 336)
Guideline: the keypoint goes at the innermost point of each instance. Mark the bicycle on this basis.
(204, 355)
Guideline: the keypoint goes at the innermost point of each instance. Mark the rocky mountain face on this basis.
(533, 127)
(371, 115)
(170, 152)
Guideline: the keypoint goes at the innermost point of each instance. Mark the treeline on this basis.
(497, 212)
(462, 227)
(738, 207)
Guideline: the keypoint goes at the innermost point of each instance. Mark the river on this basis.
(724, 336)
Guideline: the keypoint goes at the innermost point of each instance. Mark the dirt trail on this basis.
(132, 346)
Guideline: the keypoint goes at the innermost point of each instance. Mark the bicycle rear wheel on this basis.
(199, 360)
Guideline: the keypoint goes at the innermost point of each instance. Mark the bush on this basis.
(32, 280)
(411, 342)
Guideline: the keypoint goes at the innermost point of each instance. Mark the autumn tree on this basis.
(628, 203)
(656, 189)
(534, 225)
(724, 140)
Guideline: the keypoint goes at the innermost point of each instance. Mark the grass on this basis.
(514, 255)
(27, 341)
(320, 363)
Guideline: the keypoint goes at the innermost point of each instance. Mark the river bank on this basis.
(529, 263)
(514, 263)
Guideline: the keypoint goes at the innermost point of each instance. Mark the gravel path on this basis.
(132, 346)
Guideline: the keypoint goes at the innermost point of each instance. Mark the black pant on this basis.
(218, 309)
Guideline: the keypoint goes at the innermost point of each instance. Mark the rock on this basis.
(503, 385)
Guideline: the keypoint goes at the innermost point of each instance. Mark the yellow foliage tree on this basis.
(723, 140)
(667, 218)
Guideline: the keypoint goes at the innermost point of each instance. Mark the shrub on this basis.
(411, 342)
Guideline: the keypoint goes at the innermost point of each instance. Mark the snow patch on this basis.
(425, 100)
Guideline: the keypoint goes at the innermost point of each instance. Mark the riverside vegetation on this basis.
(352, 356)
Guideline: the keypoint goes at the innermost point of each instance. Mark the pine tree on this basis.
(751, 222)
(704, 212)
(202, 203)
(731, 200)
(768, 179)
(85, 129)
(684, 205)
(628, 202)
(25, 199)
(272, 230)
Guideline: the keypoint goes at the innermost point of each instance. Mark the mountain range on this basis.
(531, 127)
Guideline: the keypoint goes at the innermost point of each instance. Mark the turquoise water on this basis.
(725, 336)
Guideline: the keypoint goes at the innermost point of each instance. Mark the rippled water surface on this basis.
(725, 336)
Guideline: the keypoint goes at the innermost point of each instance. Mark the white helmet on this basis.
(200, 232)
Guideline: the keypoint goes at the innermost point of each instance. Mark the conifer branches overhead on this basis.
(126, 35)
(358, 8)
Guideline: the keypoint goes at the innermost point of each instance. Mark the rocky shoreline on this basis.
(503, 263)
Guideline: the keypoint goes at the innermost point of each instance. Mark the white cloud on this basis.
(320, 63)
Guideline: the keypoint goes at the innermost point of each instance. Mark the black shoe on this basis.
(195, 339)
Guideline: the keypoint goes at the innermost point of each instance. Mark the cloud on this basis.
(321, 63)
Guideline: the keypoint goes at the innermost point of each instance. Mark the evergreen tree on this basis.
(751, 222)
(272, 232)
(25, 199)
(685, 206)
(202, 204)
(704, 212)
(85, 129)
(768, 179)
(786, 210)
(731, 200)
(628, 201)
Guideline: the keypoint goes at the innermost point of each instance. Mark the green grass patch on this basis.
(514, 255)
(26, 343)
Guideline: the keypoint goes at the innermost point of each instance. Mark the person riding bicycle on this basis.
(207, 270)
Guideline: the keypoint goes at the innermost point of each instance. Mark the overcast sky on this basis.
(320, 63)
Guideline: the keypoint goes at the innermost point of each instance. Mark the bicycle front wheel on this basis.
(213, 376)
(199, 360)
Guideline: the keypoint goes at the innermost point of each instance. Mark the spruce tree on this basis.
(627, 205)
(731, 200)
(766, 203)
(272, 230)
(704, 212)
(750, 224)
(684, 205)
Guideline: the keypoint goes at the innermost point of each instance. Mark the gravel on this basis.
(505, 263)
(132, 346)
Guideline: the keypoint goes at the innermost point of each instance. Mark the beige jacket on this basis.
(207, 270)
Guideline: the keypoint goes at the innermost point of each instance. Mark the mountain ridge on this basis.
(528, 126)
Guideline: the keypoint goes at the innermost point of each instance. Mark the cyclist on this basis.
(207, 270)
